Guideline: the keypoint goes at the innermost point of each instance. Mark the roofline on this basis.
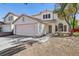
(36, 14)
(10, 13)
(41, 12)
(39, 20)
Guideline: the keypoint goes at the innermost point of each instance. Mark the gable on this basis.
(11, 14)
(25, 20)
(6, 18)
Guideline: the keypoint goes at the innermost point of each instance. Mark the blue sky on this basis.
(29, 9)
(20, 8)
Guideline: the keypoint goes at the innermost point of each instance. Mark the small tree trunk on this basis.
(69, 26)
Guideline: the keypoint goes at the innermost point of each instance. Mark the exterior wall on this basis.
(55, 16)
(52, 15)
(6, 19)
(9, 26)
(41, 29)
(26, 20)
(64, 23)
(53, 24)
(32, 26)
(47, 27)
(44, 13)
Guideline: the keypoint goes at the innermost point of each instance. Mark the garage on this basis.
(27, 30)
(27, 26)
(6, 28)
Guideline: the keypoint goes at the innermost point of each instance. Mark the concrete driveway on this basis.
(9, 45)
(11, 41)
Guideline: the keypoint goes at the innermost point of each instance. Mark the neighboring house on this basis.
(1, 23)
(35, 25)
(8, 20)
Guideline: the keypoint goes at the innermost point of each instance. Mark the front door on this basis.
(50, 28)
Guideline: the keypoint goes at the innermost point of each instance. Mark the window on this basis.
(56, 28)
(10, 18)
(65, 27)
(60, 27)
(23, 19)
(46, 16)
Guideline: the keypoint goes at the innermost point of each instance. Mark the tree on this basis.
(67, 11)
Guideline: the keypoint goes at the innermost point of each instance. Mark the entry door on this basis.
(50, 29)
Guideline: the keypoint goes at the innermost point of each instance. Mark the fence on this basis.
(75, 30)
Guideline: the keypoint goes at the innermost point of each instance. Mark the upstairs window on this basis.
(10, 18)
(46, 16)
(23, 19)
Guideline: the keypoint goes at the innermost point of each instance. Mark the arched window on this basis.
(60, 27)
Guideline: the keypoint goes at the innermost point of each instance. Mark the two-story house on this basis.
(8, 20)
(35, 25)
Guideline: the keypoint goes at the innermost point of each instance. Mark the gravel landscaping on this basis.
(55, 46)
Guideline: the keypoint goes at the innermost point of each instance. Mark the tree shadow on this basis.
(12, 50)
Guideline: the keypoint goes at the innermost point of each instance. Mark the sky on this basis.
(21, 8)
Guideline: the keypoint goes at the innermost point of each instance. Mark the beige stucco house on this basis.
(8, 20)
(36, 25)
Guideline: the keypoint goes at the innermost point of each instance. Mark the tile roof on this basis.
(11, 13)
(39, 20)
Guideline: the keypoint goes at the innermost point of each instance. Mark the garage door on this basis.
(25, 29)
(6, 28)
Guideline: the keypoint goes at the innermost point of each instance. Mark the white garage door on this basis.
(6, 28)
(25, 29)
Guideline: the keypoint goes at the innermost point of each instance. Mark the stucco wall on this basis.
(6, 19)
(26, 20)
(41, 29)
(52, 15)
(35, 26)
(63, 22)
